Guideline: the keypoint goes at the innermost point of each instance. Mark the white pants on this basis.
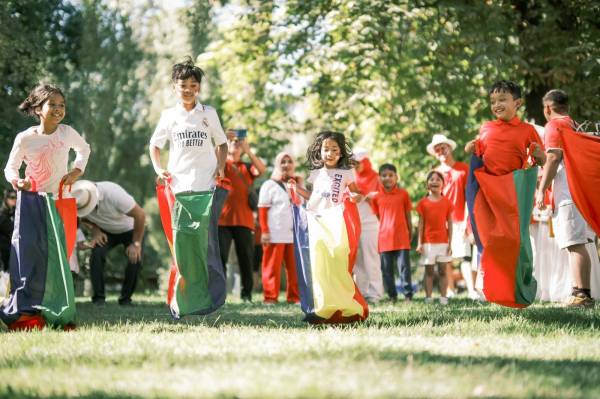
(367, 270)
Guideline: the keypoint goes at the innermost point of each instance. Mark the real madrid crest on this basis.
(205, 122)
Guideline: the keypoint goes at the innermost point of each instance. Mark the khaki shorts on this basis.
(570, 228)
(434, 253)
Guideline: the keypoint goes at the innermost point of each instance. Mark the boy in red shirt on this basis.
(392, 206)
(503, 144)
(572, 231)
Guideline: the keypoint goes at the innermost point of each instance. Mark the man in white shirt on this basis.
(114, 218)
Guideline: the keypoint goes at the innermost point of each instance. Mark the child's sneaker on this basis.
(428, 300)
(443, 300)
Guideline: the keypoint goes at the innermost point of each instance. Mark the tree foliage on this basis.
(388, 73)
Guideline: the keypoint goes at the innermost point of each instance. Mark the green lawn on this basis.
(463, 350)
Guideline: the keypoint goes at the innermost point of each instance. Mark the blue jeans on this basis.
(400, 259)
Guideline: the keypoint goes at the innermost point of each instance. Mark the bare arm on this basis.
(409, 225)
(221, 159)
(155, 158)
(538, 154)
(449, 234)
(421, 230)
(134, 250)
(139, 222)
(355, 194)
(258, 164)
(549, 172)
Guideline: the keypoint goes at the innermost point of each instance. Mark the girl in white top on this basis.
(277, 225)
(336, 298)
(45, 148)
(329, 159)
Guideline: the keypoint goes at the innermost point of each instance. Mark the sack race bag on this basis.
(41, 283)
(500, 208)
(67, 208)
(325, 246)
(190, 222)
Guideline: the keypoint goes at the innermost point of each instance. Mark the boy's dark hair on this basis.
(37, 97)
(387, 166)
(313, 155)
(506, 86)
(435, 172)
(185, 70)
(559, 100)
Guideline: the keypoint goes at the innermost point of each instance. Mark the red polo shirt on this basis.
(391, 207)
(552, 131)
(236, 211)
(504, 145)
(435, 216)
(455, 184)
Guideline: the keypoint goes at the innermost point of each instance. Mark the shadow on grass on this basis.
(547, 317)
(562, 377)
(540, 317)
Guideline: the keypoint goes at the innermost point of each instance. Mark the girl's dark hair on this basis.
(313, 155)
(37, 97)
(435, 172)
(185, 70)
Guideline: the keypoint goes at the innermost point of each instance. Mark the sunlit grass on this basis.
(465, 349)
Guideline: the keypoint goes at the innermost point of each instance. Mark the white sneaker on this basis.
(428, 300)
(443, 301)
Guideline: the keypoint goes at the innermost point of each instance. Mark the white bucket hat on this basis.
(440, 139)
(86, 194)
(360, 153)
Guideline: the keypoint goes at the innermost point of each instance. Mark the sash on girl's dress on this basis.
(190, 221)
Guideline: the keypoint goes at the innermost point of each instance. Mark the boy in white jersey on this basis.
(190, 128)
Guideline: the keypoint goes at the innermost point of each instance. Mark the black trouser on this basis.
(5, 247)
(244, 248)
(98, 260)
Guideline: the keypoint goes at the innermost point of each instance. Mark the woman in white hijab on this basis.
(276, 223)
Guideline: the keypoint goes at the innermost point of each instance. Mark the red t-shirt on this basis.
(236, 211)
(455, 184)
(390, 208)
(435, 216)
(552, 131)
(504, 145)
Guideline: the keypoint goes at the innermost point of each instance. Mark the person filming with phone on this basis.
(237, 221)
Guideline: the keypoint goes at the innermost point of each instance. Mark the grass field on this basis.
(403, 350)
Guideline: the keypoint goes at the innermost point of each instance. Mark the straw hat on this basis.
(440, 139)
(86, 194)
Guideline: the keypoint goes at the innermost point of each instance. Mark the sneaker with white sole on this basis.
(443, 300)
(428, 300)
